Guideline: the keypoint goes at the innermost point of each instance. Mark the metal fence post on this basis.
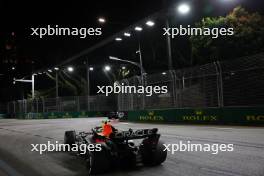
(130, 98)
(143, 83)
(88, 83)
(43, 105)
(25, 106)
(88, 103)
(32, 106)
(132, 102)
(174, 87)
(219, 84)
(183, 82)
(37, 104)
(14, 106)
(77, 99)
(57, 104)
(8, 108)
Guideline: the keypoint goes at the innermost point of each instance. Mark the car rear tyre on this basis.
(69, 137)
(153, 156)
(98, 162)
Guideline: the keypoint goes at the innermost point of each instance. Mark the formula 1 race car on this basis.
(119, 149)
(116, 115)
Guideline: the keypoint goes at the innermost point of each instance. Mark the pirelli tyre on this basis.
(128, 160)
(70, 137)
(98, 162)
(153, 155)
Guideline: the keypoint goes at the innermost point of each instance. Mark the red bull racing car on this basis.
(118, 149)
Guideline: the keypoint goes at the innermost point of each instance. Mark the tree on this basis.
(248, 37)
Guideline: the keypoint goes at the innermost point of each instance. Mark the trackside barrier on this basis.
(58, 115)
(240, 116)
(236, 116)
(2, 116)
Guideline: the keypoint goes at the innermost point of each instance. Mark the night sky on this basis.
(19, 17)
(31, 53)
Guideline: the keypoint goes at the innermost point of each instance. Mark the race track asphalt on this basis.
(17, 159)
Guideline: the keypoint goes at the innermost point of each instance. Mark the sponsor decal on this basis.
(52, 116)
(151, 117)
(67, 115)
(83, 114)
(200, 116)
(136, 133)
(255, 117)
(32, 116)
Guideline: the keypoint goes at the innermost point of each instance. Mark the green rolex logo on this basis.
(151, 113)
(198, 112)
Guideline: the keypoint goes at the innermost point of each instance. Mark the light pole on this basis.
(56, 79)
(142, 71)
(57, 82)
(88, 69)
(168, 39)
(139, 29)
(182, 9)
(33, 85)
(88, 77)
(141, 64)
(32, 80)
(57, 85)
(57, 70)
(107, 70)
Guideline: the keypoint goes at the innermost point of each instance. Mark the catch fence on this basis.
(233, 83)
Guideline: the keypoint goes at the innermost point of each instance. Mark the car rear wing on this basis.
(135, 134)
